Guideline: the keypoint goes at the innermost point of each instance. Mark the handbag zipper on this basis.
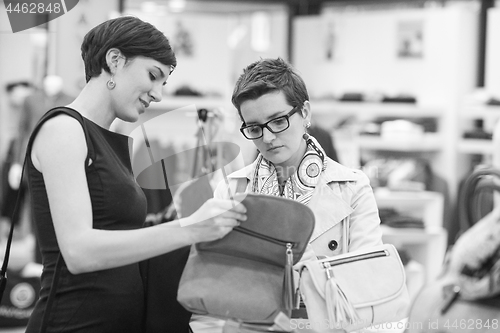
(288, 284)
(364, 256)
(264, 237)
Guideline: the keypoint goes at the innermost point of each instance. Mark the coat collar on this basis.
(334, 172)
(326, 202)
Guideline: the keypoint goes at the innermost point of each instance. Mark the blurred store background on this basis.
(408, 91)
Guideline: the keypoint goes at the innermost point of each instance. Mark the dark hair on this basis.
(268, 75)
(132, 36)
(10, 86)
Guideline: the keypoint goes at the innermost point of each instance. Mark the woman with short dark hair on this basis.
(88, 209)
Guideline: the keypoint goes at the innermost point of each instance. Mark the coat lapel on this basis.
(326, 202)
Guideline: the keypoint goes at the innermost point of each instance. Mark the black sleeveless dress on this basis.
(109, 300)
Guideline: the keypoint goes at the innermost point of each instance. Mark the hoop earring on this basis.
(111, 84)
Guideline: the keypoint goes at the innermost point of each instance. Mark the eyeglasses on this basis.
(276, 125)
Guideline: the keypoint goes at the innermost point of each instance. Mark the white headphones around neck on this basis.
(311, 164)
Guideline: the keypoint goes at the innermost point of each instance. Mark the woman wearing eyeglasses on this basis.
(273, 104)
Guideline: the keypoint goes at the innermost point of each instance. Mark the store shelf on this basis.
(421, 204)
(427, 245)
(408, 236)
(489, 115)
(475, 146)
(368, 109)
(426, 143)
(481, 111)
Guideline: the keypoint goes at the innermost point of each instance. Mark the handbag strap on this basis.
(5, 263)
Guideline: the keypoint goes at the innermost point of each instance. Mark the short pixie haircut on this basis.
(132, 36)
(269, 75)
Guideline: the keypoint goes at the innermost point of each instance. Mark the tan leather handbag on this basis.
(247, 275)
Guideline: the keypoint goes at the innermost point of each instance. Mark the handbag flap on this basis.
(271, 223)
(224, 286)
(367, 276)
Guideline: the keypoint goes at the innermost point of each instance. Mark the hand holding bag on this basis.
(356, 289)
(247, 275)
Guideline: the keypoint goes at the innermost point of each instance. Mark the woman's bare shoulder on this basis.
(59, 137)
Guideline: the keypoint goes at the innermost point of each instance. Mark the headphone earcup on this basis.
(309, 170)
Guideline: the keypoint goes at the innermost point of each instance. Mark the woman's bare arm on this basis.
(59, 152)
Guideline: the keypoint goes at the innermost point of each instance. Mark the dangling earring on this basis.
(111, 84)
(306, 135)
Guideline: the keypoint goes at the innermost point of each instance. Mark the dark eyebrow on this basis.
(271, 117)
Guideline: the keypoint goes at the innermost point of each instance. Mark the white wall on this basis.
(17, 61)
(492, 69)
(366, 58)
(215, 64)
(67, 34)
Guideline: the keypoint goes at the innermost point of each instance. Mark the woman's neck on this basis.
(288, 168)
(93, 103)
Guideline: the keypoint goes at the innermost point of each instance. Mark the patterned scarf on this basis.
(300, 185)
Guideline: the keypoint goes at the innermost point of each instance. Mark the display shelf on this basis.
(426, 143)
(481, 111)
(475, 146)
(422, 204)
(327, 112)
(426, 245)
(407, 236)
(371, 109)
(489, 115)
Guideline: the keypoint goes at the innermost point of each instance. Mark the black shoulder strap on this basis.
(3, 272)
(54, 112)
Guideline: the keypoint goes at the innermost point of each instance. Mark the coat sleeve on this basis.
(221, 189)
(365, 230)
